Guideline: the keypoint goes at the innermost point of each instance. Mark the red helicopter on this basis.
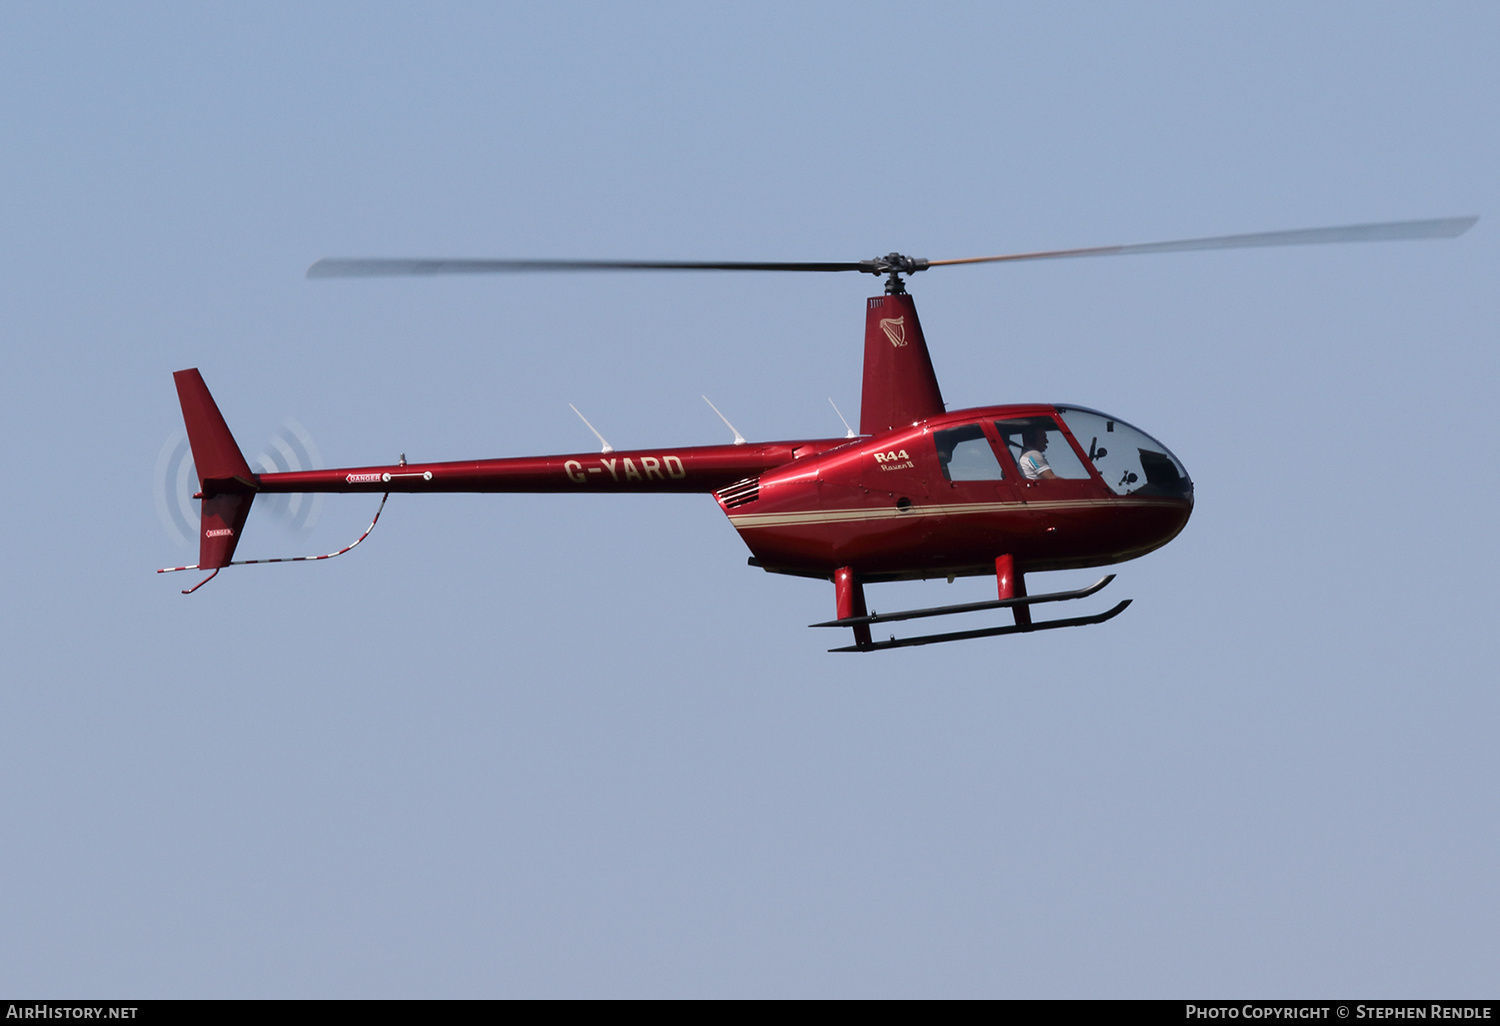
(920, 492)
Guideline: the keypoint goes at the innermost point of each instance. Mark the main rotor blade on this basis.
(1443, 228)
(373, 268)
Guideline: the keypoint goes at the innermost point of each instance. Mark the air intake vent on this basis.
(739, 493)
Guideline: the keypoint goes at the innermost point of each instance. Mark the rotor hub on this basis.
(894, 265)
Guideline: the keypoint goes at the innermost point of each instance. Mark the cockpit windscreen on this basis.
(1130, 461)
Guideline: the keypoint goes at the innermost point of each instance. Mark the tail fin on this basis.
(900, 387)
(228, 485)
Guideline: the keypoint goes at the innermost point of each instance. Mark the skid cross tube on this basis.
(968, 607)
(990, 632)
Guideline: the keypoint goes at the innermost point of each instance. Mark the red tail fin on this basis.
(227, 482)
(900, 386)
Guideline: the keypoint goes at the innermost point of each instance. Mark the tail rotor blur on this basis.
(176, 479)
(291, 448)
(175, 482)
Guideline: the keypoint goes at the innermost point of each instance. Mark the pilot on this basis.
(1034, 466)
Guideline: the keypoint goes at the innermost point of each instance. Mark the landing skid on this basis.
(1019, 603)
(933, 639)
(968, 607)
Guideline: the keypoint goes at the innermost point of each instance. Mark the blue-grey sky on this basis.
(555, 745)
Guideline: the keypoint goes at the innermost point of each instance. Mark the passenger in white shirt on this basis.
(1034, 466)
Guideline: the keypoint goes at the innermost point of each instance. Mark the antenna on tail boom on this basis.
(739, 439)
(607, 446)
(836, 409)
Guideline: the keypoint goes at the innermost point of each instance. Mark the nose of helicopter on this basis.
(1156, 513)
(1136, 468)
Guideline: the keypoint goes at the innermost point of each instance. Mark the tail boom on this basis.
(228, 486)
(689, 469)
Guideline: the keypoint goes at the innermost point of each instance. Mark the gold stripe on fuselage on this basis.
(800, 518)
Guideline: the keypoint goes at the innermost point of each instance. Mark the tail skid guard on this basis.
(282, 559)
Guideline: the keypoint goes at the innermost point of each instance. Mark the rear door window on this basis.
(965, 454)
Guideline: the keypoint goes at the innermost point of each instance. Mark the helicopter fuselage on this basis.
(894, 507)
(901, 505)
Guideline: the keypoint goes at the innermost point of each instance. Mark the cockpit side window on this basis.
(965, 454)
(1041, 449)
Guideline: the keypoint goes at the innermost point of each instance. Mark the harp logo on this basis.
(895, 330)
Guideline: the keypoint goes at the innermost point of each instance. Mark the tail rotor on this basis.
(228, 486)
(176, 480)
(290, 449)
